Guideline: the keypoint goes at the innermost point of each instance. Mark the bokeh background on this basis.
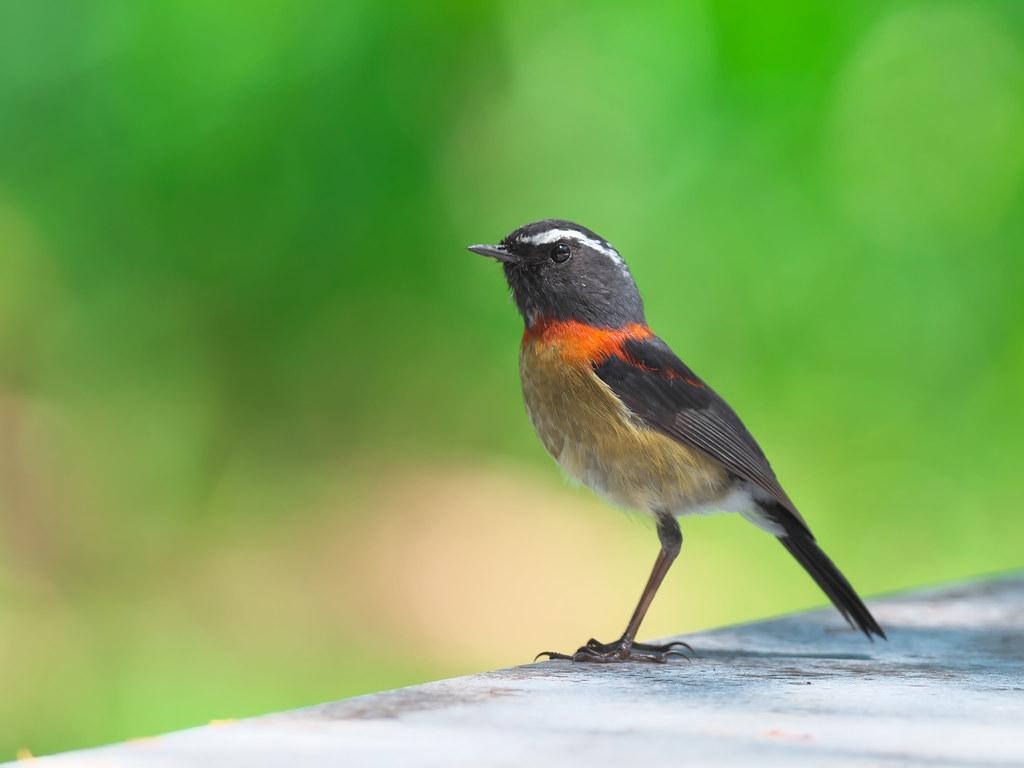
(261, 441)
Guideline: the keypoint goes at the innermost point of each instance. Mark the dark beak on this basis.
(499, 252)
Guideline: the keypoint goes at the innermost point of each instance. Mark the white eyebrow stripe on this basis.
(554, 235)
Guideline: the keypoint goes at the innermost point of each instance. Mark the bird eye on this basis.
(560, 252)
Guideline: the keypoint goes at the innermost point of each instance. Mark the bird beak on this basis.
(499, 252)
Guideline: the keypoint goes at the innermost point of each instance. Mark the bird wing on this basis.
(660, 390)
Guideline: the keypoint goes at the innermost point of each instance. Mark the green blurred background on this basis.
(261, 441)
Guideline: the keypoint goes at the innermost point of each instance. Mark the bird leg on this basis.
(626, 648)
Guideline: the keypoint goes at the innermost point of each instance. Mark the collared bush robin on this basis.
(622, 414)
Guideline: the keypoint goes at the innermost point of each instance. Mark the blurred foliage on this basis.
(260, 434)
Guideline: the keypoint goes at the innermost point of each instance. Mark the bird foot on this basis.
(622, 650)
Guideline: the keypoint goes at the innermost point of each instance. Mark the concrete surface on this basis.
(946, 689)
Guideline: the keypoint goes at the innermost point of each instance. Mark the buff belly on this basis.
(596, 440)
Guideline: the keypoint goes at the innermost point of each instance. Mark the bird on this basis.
(623, 415)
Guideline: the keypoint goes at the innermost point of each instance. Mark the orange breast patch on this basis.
(581, 343)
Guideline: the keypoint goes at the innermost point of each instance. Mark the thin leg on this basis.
(671, 542)
(625, 648)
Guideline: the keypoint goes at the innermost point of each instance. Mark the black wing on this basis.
(664, 393)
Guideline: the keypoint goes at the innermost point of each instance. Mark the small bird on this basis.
(623, 415)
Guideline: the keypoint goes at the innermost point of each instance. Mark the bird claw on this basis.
(552, 656)
(620, 650)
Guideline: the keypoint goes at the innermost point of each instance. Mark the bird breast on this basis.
(600, 443)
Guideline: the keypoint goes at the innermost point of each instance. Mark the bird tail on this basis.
(796, 538)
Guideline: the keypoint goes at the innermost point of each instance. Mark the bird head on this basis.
(559, 270)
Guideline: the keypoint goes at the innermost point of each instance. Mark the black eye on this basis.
(560, 252)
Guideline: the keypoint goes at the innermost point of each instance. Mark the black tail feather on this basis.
(801, 545)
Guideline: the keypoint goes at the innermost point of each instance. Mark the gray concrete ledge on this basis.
(946, 689)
